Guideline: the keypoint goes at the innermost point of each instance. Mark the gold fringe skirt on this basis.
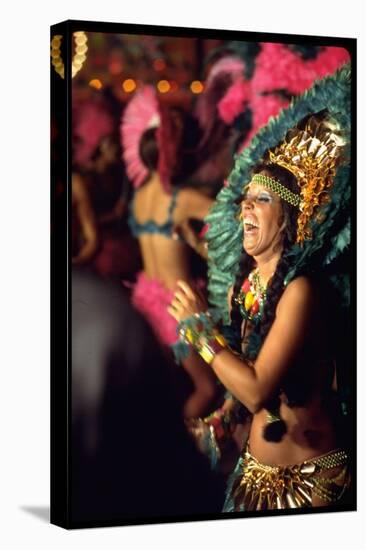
(259, 486)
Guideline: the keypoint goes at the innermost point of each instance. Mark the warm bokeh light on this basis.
(163, 86)
(159, 64)
(196, 87)
(129, 85)
(80, 38)
(96, 83)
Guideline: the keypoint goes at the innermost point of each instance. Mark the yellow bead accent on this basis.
(206, 354)
(221, 340)
(249, 299)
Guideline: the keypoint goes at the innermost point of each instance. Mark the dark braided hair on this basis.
(275, 287)
(246, 264)
(276, 429)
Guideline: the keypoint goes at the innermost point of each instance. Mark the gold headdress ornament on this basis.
(311, 153)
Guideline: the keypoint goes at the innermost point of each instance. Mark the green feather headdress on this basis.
(331, 231)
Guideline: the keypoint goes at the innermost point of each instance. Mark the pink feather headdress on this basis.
(144, 112)
(233, 102)
(279, 68)
(219, 94)
(141, 113)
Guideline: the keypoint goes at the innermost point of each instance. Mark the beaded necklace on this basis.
(251, 297)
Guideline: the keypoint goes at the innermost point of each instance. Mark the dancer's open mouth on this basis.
(250, 226)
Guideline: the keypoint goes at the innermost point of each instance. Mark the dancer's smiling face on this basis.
(262, 220)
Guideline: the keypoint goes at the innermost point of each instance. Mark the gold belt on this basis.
(260, 486)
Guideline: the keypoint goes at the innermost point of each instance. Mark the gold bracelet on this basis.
(208, 349)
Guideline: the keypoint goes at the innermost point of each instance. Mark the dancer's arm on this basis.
(254, 385)
(193, 240)
(192, 205)
(85, 214)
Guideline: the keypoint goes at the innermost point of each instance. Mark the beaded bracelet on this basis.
(200, 332)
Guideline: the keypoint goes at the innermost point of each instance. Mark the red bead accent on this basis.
(255, 308)
(203, 231)
(217, 424)
(215, 421)
(246, 286)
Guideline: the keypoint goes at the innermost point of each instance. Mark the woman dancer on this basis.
(280, 365)
(150, 139)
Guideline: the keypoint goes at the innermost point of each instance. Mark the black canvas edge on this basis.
(194, 32)
(61, 513)
(353, 278)
(60, 299)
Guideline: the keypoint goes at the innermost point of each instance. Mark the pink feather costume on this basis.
(152, 299)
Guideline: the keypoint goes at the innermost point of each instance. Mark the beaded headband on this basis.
(278, 188)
